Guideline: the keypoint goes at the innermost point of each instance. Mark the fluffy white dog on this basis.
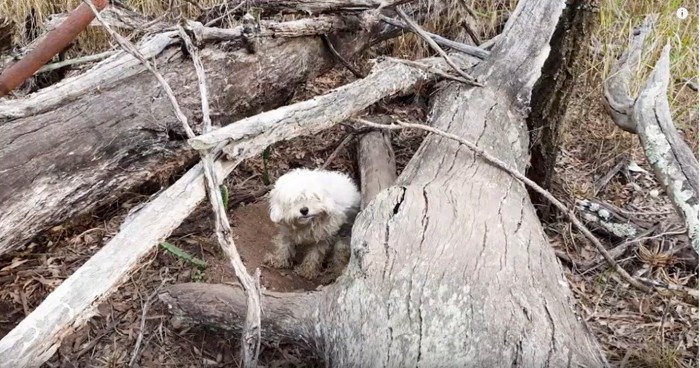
(314, 211)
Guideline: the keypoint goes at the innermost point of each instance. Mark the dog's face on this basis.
(299, 206)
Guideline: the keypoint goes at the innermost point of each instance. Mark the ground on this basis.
(635, 329)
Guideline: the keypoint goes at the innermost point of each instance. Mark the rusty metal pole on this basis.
(54, 42)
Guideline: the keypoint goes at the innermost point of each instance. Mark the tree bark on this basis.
(551, 94)
(450, 267)
(72, 147)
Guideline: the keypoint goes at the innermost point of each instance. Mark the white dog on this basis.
(314, 209)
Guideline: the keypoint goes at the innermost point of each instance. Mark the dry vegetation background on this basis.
(636, 330)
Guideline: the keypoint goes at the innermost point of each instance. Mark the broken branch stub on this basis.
(616, 88)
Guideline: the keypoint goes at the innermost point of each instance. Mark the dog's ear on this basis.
(275, 213)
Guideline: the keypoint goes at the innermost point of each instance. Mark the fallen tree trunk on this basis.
(649, 116)
(87, 140)
(450, 267)
(38, 336)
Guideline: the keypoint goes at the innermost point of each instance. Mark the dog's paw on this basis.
(307, 270)
(276, 261)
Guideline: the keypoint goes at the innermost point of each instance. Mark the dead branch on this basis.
(616, 89)
(457, 46)
(340, 58)
(523, 179)
(673, 161)
(649, 116)
(313, 7)
(416, 28)
(312, 116)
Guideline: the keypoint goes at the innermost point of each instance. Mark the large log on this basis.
(450, 267)
(87, 140)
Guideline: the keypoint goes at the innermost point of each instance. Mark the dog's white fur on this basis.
(313, 209)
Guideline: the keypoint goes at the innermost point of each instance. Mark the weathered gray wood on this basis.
(616, 88)
(674, 163)
(649, 116)
(36, 338)
(312, 116)
(83, 142)
(450, 267)
(376, 162)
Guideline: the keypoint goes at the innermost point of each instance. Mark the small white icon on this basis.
(682, 13)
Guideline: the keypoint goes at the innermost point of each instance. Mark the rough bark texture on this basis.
(84, 142)
(551, 94)
(450, 267)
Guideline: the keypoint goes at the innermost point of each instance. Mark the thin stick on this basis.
(250, 342)
(416, 28)
(458, 46)
(522, 178)
(340, 58)
(80, 60)
(336, 151)
(144, 312)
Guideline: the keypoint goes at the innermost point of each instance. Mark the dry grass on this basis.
(618, 17)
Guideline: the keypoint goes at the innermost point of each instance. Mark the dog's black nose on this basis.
(304, 211)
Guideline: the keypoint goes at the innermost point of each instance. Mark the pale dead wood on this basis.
(522, 178)
(416, 28)
(649, 116)
(35, 339)
(250, 343)
(429, 69)
(674, 163)
(457, 46)
(313, 7)
(76, 61)
(616, 88)
(312, 116)
(376, 161)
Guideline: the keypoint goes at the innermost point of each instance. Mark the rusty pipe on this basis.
(54, 42)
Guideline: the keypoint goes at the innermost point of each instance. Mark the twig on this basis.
(80, 60)
(336, 151)
(97, 338)
(416, 28)
(340, 58)
(250, 342)
(428, 68)
(139, 338)
(514, 173)
(467, 49)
